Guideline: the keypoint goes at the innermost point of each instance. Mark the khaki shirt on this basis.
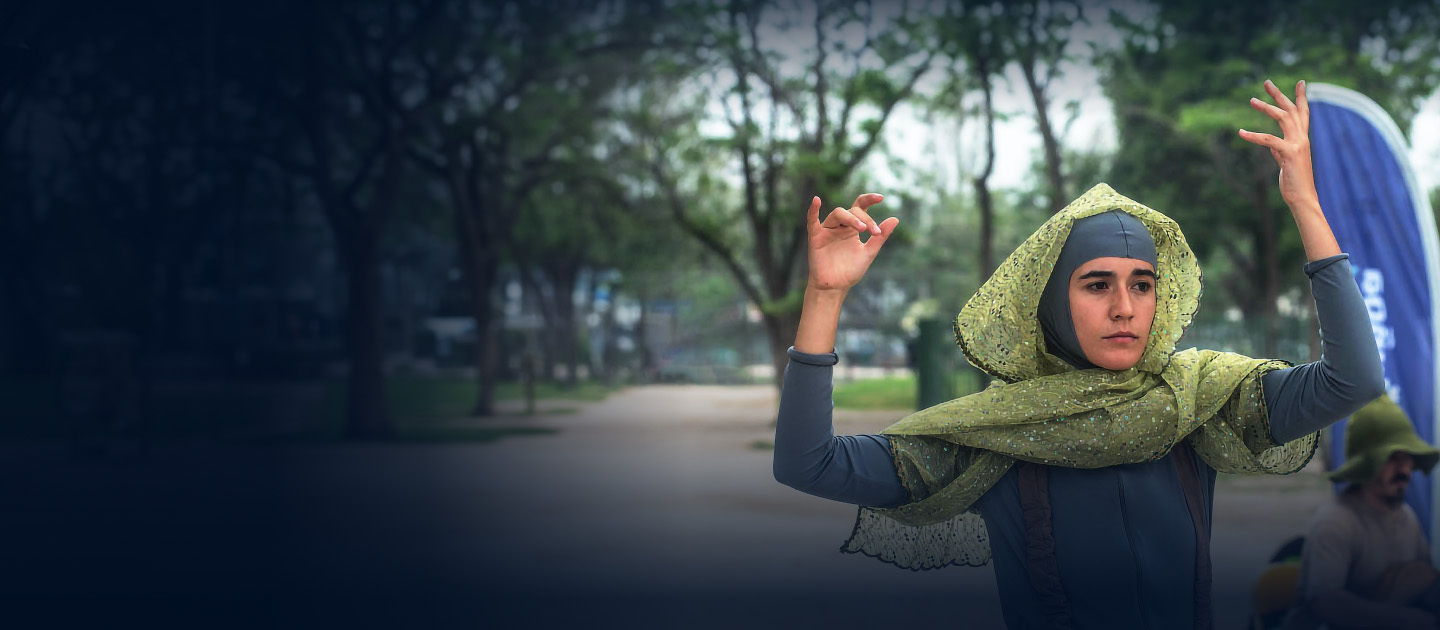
(1351, 544)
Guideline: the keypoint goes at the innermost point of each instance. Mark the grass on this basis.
(880, 393)
(588, 391)
(243, 410)
(405, 434)
(415, 397)
(897, 392)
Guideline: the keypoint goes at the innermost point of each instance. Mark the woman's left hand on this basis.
(1292, 149)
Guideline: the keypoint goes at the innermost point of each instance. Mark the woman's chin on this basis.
(1117, 362)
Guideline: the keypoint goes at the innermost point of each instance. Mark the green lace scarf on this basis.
(1045, 411)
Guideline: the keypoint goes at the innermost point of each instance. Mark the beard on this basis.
(1396, 496)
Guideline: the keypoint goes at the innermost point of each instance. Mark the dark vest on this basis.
(1134, 546)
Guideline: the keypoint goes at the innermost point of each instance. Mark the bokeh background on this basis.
(412, 313)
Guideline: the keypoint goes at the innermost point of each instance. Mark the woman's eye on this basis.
(1143, 287)
(1098, 286)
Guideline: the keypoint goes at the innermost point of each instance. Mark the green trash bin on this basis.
(934, 363)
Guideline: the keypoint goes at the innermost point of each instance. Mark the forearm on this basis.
(810, 458)
(1315, 231)
(1306, 398)
(1344, 609)
(819, 319)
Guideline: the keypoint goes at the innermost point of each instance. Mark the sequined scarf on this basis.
(1045, 411)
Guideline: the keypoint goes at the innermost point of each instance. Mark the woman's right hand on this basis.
(837, 257)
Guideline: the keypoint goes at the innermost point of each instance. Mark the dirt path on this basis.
(669, 474)
(653, 508)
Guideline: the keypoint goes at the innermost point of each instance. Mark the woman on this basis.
(1088, 472)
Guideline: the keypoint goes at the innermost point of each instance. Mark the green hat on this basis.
(1375, 432)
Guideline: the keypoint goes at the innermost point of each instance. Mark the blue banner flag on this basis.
(1383, 219)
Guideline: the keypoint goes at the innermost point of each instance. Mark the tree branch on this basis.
(885, 112)
(821, 87)
(677, 210)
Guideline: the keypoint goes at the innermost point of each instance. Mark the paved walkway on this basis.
(653, 508)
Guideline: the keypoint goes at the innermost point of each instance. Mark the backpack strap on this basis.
(1190, 483)
(1040, 561)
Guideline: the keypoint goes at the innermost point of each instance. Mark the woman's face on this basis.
(1112, 302)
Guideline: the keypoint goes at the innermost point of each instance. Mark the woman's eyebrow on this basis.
(1143, 272)
(1098, 273)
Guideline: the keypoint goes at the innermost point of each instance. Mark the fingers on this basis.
(1262, 139)
(887, 228)
(866, 200)
(862, 207)
(1303, 103)
(1280, 98)
(856, 217)
(1294, 119)
(1268, 109)
(812, 215)
(841, 218)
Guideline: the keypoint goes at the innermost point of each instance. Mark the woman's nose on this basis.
(1122, 306)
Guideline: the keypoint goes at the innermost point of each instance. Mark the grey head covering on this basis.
(1111, 234)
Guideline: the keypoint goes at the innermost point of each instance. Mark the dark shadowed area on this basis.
(470, 313)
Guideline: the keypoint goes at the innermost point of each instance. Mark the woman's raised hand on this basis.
(837, 257)
(1292, 150)
(1297, 174)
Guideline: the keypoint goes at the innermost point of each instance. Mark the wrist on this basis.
(814, 294)
(819, 318)
(1305, 206)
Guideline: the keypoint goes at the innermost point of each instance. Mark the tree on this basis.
(541, 74)
(797, 124)
(1036, 35)
(972, 37)
(351, 85)
(118, 174)
(1180, 83)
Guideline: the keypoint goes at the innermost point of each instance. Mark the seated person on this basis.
(1366, 563)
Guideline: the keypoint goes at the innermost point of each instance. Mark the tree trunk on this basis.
(780, 330)
(479, 274)
(579, 321)
(648, 365)
(987, 229)
(1047, 136)
(530, 282)
(1268, 250)
(609, 349)
(487, 360)
(982, 181)
(367, 414)
(566, 331)
(1272, 297)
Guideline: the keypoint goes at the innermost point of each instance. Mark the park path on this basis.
(652, 508)
(669, 475)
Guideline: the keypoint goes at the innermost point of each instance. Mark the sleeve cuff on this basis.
(1314, 266)
(829, 358)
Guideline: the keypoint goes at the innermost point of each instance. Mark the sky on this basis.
(1095, 126)
(951, 151)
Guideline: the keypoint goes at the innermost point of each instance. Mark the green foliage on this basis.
(883, 393)
(790, 303)
(874, 86)
(1181, 84)
(740, 162)
(896, 392)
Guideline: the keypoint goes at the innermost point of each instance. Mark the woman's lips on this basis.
(1123, 338)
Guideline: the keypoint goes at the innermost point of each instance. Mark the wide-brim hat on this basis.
(1376, 432)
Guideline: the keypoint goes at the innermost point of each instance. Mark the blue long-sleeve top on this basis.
(1124, 537)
